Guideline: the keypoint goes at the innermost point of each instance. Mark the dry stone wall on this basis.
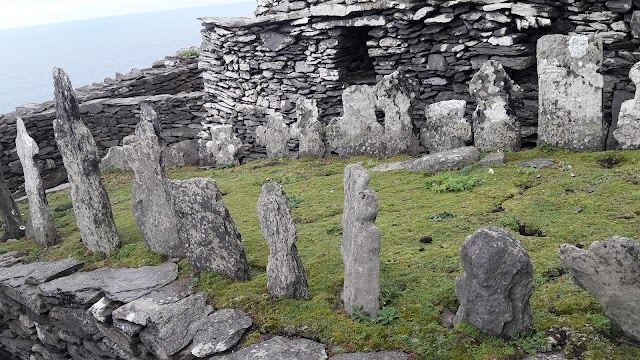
(111, 110)
(315, 49)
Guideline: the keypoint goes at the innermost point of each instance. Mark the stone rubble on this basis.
(80, 156)
(285, 273)
(40, 217)
(495, 289)
(609, 271)
(360, 243)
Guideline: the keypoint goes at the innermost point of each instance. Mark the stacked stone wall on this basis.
(111, 111)
(257, 66)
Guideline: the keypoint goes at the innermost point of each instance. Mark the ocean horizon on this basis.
(92, 50)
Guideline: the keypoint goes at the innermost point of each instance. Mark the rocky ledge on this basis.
(51, 311)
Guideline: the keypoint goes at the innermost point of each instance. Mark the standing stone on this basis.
(42, 222)
(609, 270)
(275, 136)
(495, 288)
(80, 157)
(570, 92)
(152, 210)
(13, 225)
(395, 96)
(357, 132)
(115, 159)
(627, 132)
(360, 243)
(494, 123)
(619, 97)
(222, 149)
(206, 228)
(309, 130)
(285, 272)
(445, 128)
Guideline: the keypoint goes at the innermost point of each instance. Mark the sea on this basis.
(92, 50)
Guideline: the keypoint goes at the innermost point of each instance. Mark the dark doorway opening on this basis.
(355, 57)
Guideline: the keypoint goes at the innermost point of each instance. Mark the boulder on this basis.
(494, 123)
(360, 243)
(495, 288)
(9, 212)
(181, 154)
(309, 130)
(570, 92)
(447, 160)
(627, 131)
(275, 136)
(285, 273)
(279, 348)
(223, 148)
(152, 209)
(357, 132)
(395, 97)
(609, 271)
(42, 223)
(445, 128)
(115, 159)
(91, 204)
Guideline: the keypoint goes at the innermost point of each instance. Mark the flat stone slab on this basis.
(496, 158)
(447, 160)
(38, 273)
(538, 163)
(393, 166)
(381, 355)
(279, 348)
(123, 284)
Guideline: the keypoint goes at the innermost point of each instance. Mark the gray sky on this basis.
(21, 13)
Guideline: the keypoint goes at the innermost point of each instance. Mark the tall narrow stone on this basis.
(285, 273)
(80, 157)
(275, 136)
(13, 225)
(395, 97)
(494, 123)
(445, 128)
(495, 289)
(42, 222)
(627, 132)
(570, 92)
(360, 243)
(152, 210)
(357, 132)
(309, 130)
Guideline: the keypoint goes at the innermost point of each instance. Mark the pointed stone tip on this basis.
(147, 112)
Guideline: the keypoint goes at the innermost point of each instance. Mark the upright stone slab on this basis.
(220, 147)
(152, 210)
(570, 92)
(494, 123)
(628, 127)
(360, 243)
(395, 97)
(206, 228)
(275, 136)
(13, 225)
(42, 222)
(357, 132)
(445, 128)
(285, 273)
(309, 130)
(80, 157)
(495, 288)
(609, 270)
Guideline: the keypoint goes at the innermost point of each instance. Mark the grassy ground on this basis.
(587, 197)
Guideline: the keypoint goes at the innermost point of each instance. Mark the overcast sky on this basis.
(21, 13)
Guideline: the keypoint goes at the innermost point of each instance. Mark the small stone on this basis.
(426, 239)
(538, 163)
(496, 158)
(279, 348)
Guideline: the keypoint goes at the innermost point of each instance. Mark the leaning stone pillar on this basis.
(570, 92)
(43, 224)
(285, 273)
(10, 212)
(80, 157)
(360, 243)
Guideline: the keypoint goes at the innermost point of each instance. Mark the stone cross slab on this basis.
(80, 157)
(43, 223)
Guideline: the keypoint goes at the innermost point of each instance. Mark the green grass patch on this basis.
(417, 279)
